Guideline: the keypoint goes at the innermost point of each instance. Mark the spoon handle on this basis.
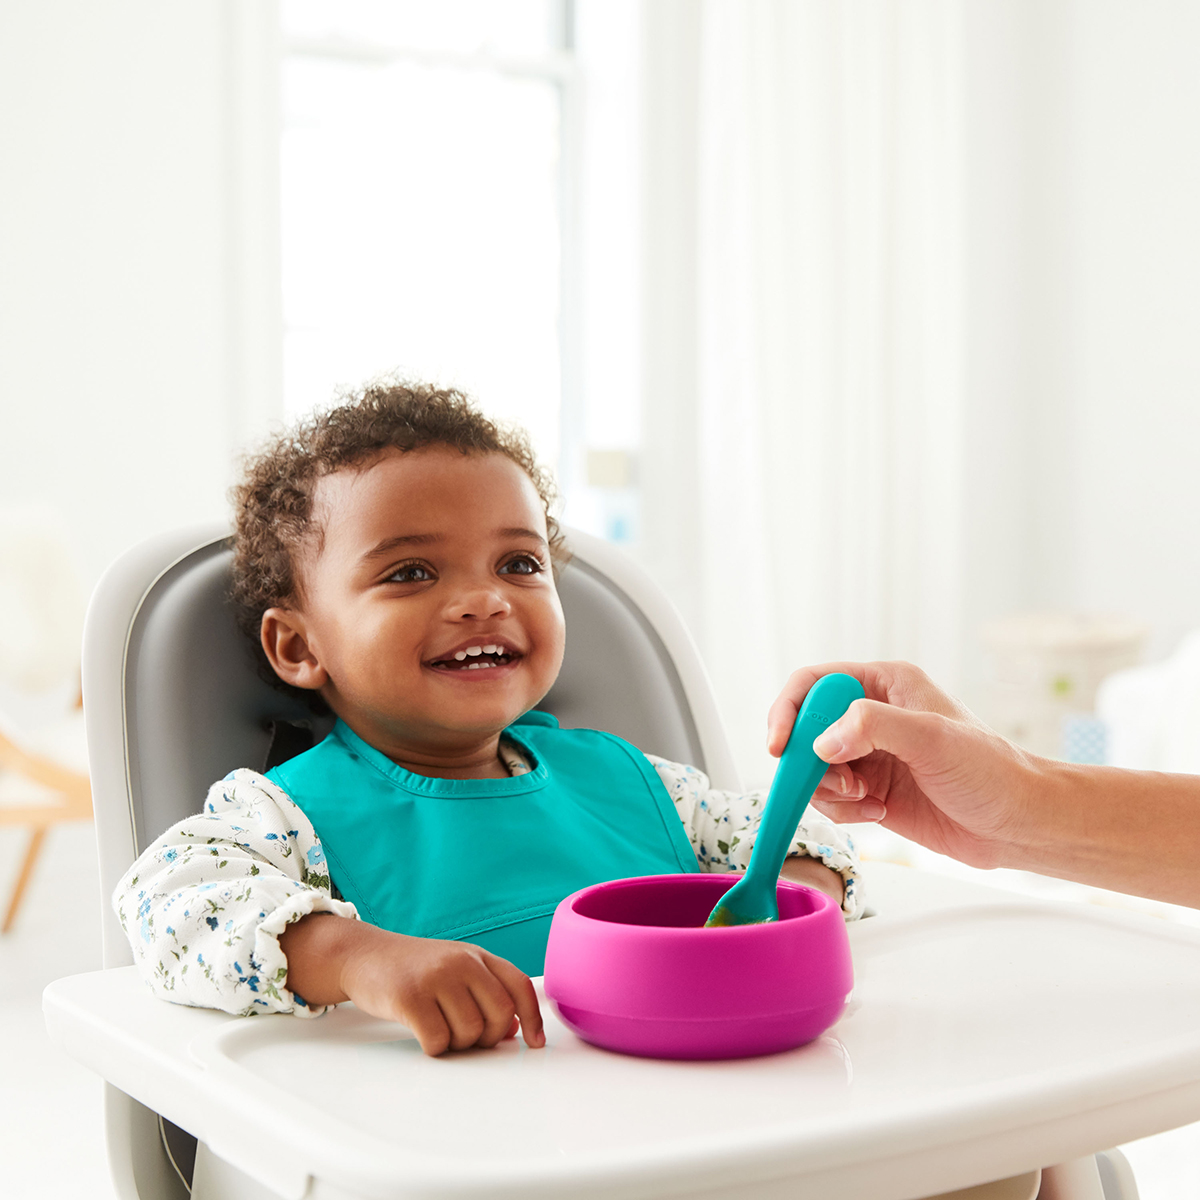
(799, 772)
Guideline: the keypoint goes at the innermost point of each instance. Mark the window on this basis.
(425, 200)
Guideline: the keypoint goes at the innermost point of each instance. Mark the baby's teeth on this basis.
(474, 650)
(460, 655)
(491, 649)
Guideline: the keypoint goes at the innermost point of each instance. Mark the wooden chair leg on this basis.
(25, 874)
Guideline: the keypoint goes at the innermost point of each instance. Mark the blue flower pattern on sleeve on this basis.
(232, 878)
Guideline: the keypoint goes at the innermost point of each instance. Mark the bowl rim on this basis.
(825, 902)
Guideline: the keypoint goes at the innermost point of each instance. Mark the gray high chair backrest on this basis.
(174, 702)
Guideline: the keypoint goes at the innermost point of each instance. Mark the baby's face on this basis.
(430, 604)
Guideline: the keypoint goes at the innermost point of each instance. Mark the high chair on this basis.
(988, 1035)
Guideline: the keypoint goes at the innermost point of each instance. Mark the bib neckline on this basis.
(448, 789)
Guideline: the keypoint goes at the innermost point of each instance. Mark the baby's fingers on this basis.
(463, 1014)
(424, 1017)
(495, 1005)
(524, 998)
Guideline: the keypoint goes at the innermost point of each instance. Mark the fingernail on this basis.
(872, 810)
(827, 745)
(843, 784)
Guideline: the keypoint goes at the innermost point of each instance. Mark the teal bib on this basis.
(486, 860)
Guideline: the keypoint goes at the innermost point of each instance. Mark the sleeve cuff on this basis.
(843, 862)
(268, 951)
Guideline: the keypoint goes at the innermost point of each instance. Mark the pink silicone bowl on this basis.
(630, 967)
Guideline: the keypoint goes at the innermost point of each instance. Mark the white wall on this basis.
(1083, 361)
(126, 378)
(138, 344)
(1081, 365)
(1132, 202)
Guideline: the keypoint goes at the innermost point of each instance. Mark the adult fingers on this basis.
(878, 681)
(841, 783)
(781, 716)
(915, 738)
(519, 986)
(900, 683)
(850, 812)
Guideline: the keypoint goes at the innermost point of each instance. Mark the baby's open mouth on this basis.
(476, 658)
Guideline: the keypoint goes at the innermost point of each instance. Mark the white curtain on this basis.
(803, 401)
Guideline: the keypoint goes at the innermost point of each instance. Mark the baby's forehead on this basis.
(435, 490)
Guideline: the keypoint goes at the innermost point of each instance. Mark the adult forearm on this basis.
(1132, 831)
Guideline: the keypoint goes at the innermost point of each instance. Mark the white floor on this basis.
(50, 1136)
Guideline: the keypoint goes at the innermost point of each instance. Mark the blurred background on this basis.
(868, 326)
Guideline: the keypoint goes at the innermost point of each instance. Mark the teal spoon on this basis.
(751, 901)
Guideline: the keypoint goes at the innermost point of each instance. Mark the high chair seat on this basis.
(987, 1036)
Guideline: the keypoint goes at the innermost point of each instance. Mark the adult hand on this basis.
(452, 995)
(914, 759)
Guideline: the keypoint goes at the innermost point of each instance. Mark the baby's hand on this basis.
(452, 995)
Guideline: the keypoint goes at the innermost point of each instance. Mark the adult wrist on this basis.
(1042, 812)
(1063, 831)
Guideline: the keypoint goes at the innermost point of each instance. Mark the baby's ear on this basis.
(285, 644)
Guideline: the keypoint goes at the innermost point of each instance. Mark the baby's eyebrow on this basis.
(525, 533)
(426, 539)
(394, 543)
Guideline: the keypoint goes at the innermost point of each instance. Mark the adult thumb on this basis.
(868, 725)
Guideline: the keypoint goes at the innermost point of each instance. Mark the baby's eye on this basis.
(410, 573)
(524, 564)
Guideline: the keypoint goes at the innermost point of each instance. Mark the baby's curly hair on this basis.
(273, 504)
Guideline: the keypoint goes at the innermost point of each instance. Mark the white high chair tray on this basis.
(987, 1036)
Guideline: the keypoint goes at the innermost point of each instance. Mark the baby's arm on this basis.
(722, 826)
(203, 907)
(452, 995)
(222, 912)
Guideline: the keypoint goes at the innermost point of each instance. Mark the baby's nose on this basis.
(480, 604)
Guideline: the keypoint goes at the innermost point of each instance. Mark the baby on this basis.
(395, 563)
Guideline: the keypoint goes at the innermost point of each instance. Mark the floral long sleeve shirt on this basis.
(203, 907)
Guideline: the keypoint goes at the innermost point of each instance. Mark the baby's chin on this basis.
(466, 711)
(444, 730)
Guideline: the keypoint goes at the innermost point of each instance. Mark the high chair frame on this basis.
(173, 702)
